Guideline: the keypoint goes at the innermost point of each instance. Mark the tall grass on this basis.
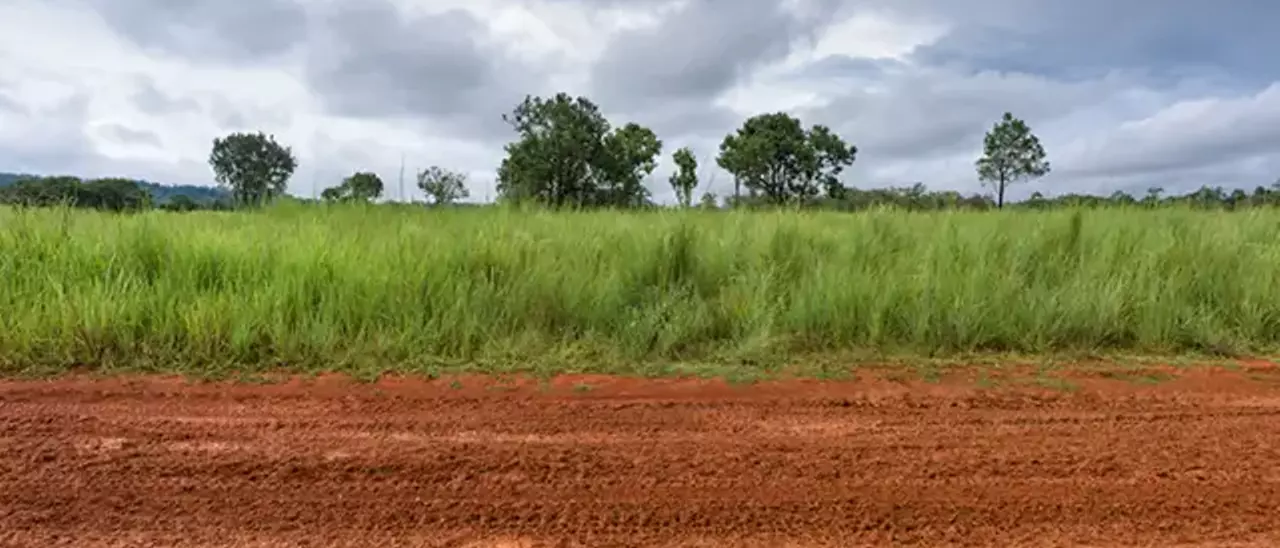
(399, 288)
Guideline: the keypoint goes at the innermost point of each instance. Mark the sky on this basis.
(1123, 95)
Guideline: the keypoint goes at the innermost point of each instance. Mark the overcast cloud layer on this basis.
(1124, 95)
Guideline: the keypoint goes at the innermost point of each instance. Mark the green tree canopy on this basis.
(362, 186)
(1011, 153)
(108, 194)
(776, 158)
(568, 154)
(443, 186)
(181, 202)
(33, 191)
(252, 166)
(630, 155)
(115, 194)
(685, 178)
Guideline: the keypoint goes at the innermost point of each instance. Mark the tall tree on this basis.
(685, 178)
(1011, 153)
(362, 186)
(443, 186)
(252, 165)
(561, 141)
(568, 155)
(776, 158)
(630, 156)
(832, 155)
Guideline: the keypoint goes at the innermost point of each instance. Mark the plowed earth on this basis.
(1192, 461)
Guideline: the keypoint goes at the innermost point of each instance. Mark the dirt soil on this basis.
(596, 461)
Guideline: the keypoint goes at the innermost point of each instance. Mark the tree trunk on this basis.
(1000, 194)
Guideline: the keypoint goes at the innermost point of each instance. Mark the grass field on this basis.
(397, 288)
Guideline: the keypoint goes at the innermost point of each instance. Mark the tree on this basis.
(1153, 196)
(685, 178)
(252, 165)
(108, 194)
(1011, 153)
(362, 186)
(31, 191)
(443, 186)
(181, 202)
(775, 157)
(832, 156)
(114, 194)
(1120, 197)
(630, 156)
(332, 194)
(708, 201)
(567, 155)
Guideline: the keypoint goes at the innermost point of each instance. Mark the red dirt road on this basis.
(153, 462)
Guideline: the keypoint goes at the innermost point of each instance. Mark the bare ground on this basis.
(599, 461)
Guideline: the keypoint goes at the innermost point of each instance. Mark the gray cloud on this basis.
(367, 59)
(938, 112)
(10, 104)
(679, 120)
(55, 142)
(55, 145)
(208, 29)
(1226, 131)
(129, 135)
(1083, 74)
(1089, 38)
(836, 67)
(699, 51)
(226, 114)
(7, 102)
(151, 100)
(231, 116)
(1102, 135)
(372, 60)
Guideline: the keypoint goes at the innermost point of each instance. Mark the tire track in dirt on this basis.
(1194, 462)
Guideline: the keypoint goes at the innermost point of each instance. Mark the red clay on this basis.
(615, 462)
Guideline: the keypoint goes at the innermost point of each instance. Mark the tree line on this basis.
(106, 194)
(568, 155)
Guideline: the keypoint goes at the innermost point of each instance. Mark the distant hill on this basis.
(160, 192)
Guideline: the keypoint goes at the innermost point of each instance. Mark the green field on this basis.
(397, 288)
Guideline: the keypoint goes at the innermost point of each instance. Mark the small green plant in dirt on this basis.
(352, 289)
(1138, 376)
(1049, 377)
(985, 381)
(1056, 383)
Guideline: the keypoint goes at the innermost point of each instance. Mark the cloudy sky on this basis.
(1124, 94)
